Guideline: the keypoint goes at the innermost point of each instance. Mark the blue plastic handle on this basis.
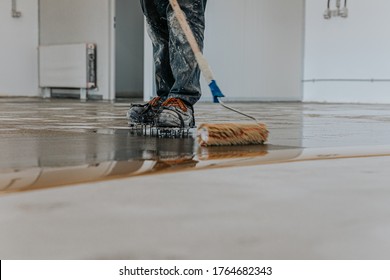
(215, 91)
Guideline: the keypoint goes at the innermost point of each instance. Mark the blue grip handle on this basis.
(215, 91)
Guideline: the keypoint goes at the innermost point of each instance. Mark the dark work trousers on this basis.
(177, 72)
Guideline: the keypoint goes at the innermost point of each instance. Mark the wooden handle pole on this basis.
(202, 62)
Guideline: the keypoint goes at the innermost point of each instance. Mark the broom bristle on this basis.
(228, 134)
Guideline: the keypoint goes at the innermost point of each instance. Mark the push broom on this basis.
(219, 134)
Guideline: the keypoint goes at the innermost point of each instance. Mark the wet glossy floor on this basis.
(76, 183)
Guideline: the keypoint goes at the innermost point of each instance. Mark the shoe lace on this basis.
(175, 102)
(154, 102)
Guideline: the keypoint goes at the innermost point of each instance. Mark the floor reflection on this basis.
(41, 160)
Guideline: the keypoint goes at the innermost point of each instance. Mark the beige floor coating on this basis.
(318, 190)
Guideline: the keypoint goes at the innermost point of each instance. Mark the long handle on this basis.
(202, 62)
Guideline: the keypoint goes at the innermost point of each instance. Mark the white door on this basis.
(18, 48)
(81, 21)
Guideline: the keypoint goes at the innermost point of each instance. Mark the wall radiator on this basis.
(71, 66)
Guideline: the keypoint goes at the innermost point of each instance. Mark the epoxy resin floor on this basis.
(75, 183)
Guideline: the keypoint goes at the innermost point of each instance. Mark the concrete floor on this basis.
(76, 184)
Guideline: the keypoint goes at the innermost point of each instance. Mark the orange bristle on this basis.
(229, 134)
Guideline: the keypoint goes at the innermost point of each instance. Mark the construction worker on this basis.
(177, 74)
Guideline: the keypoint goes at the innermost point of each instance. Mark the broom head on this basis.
(228, 134)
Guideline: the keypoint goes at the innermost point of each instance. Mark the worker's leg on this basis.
(185, 69)
(155, 13)
(177, 110)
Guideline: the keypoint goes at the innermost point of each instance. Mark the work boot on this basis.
(144, 113)
(175, 113)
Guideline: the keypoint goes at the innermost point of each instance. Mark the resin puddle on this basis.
(157, 156)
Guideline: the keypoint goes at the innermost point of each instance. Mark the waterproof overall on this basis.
(176, 71)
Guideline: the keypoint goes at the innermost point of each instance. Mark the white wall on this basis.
(77, 21)
(18, 49)
(255, 48)
(354, 48)
(129, 48)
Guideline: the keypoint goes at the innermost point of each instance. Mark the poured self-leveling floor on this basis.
(76, 184)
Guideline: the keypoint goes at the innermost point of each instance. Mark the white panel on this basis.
(347, 92)
(18, 49)
(63, 66)
(255, 48)
(354, 48)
